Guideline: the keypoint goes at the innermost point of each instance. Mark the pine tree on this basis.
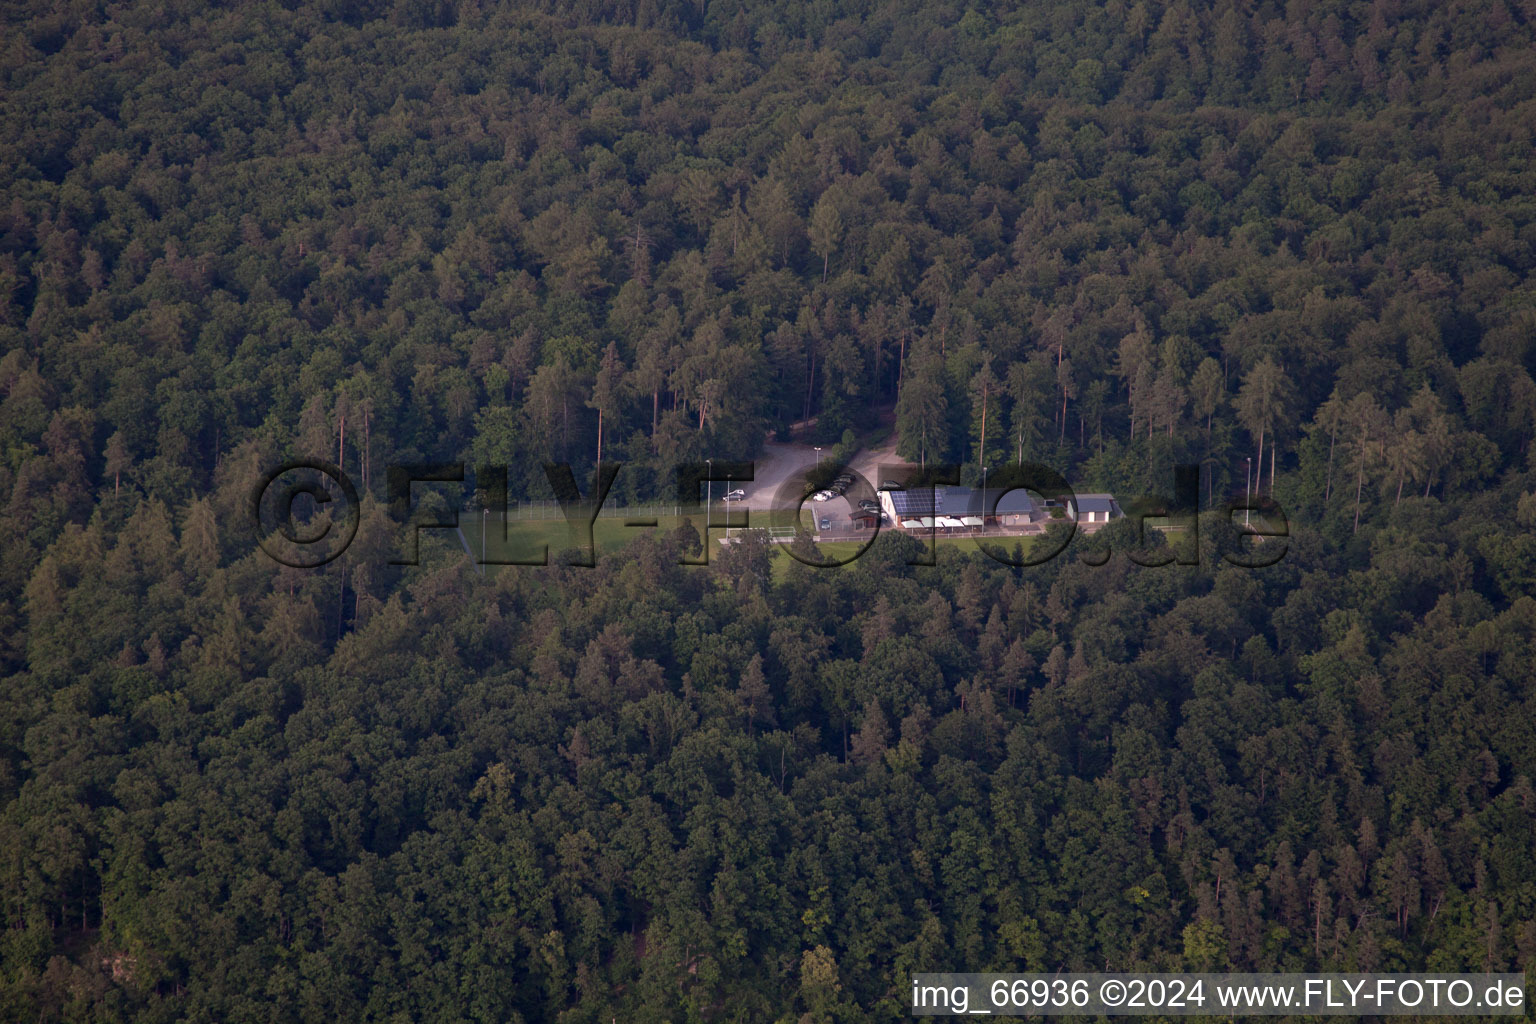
(606, 390)
(983, 388)
(922, 408)
(826, 229)
(753, 694)
(118, 460)
(1263, 399)
(1206, 391)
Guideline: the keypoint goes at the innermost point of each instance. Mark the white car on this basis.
(736, 495)
(822, 496)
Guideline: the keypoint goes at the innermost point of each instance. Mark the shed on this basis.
(1096, 508)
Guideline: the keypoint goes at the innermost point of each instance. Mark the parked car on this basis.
(822, 496)
(736, 495)
(869, 504)
(826, 523)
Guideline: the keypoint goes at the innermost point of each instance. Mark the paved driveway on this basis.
(775, 465)
(778, 462)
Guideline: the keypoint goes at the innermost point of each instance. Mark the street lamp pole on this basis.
(983, 497)
(708, 497)
(818, 455)
(485, 526)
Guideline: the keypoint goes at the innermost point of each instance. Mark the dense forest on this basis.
(1109, 238)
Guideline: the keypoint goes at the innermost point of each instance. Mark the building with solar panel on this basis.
(959, 509)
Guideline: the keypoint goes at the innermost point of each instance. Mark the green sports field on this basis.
(525, 538)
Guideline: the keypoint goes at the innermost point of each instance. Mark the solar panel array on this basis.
(957, 501)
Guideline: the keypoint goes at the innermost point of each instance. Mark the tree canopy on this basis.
(1108, 238)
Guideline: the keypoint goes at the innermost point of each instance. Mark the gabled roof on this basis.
(1015, 503)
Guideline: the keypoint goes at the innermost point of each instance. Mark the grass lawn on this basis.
(610, 535)
(839, 550)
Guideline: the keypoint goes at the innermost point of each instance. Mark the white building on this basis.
(1094, 508)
